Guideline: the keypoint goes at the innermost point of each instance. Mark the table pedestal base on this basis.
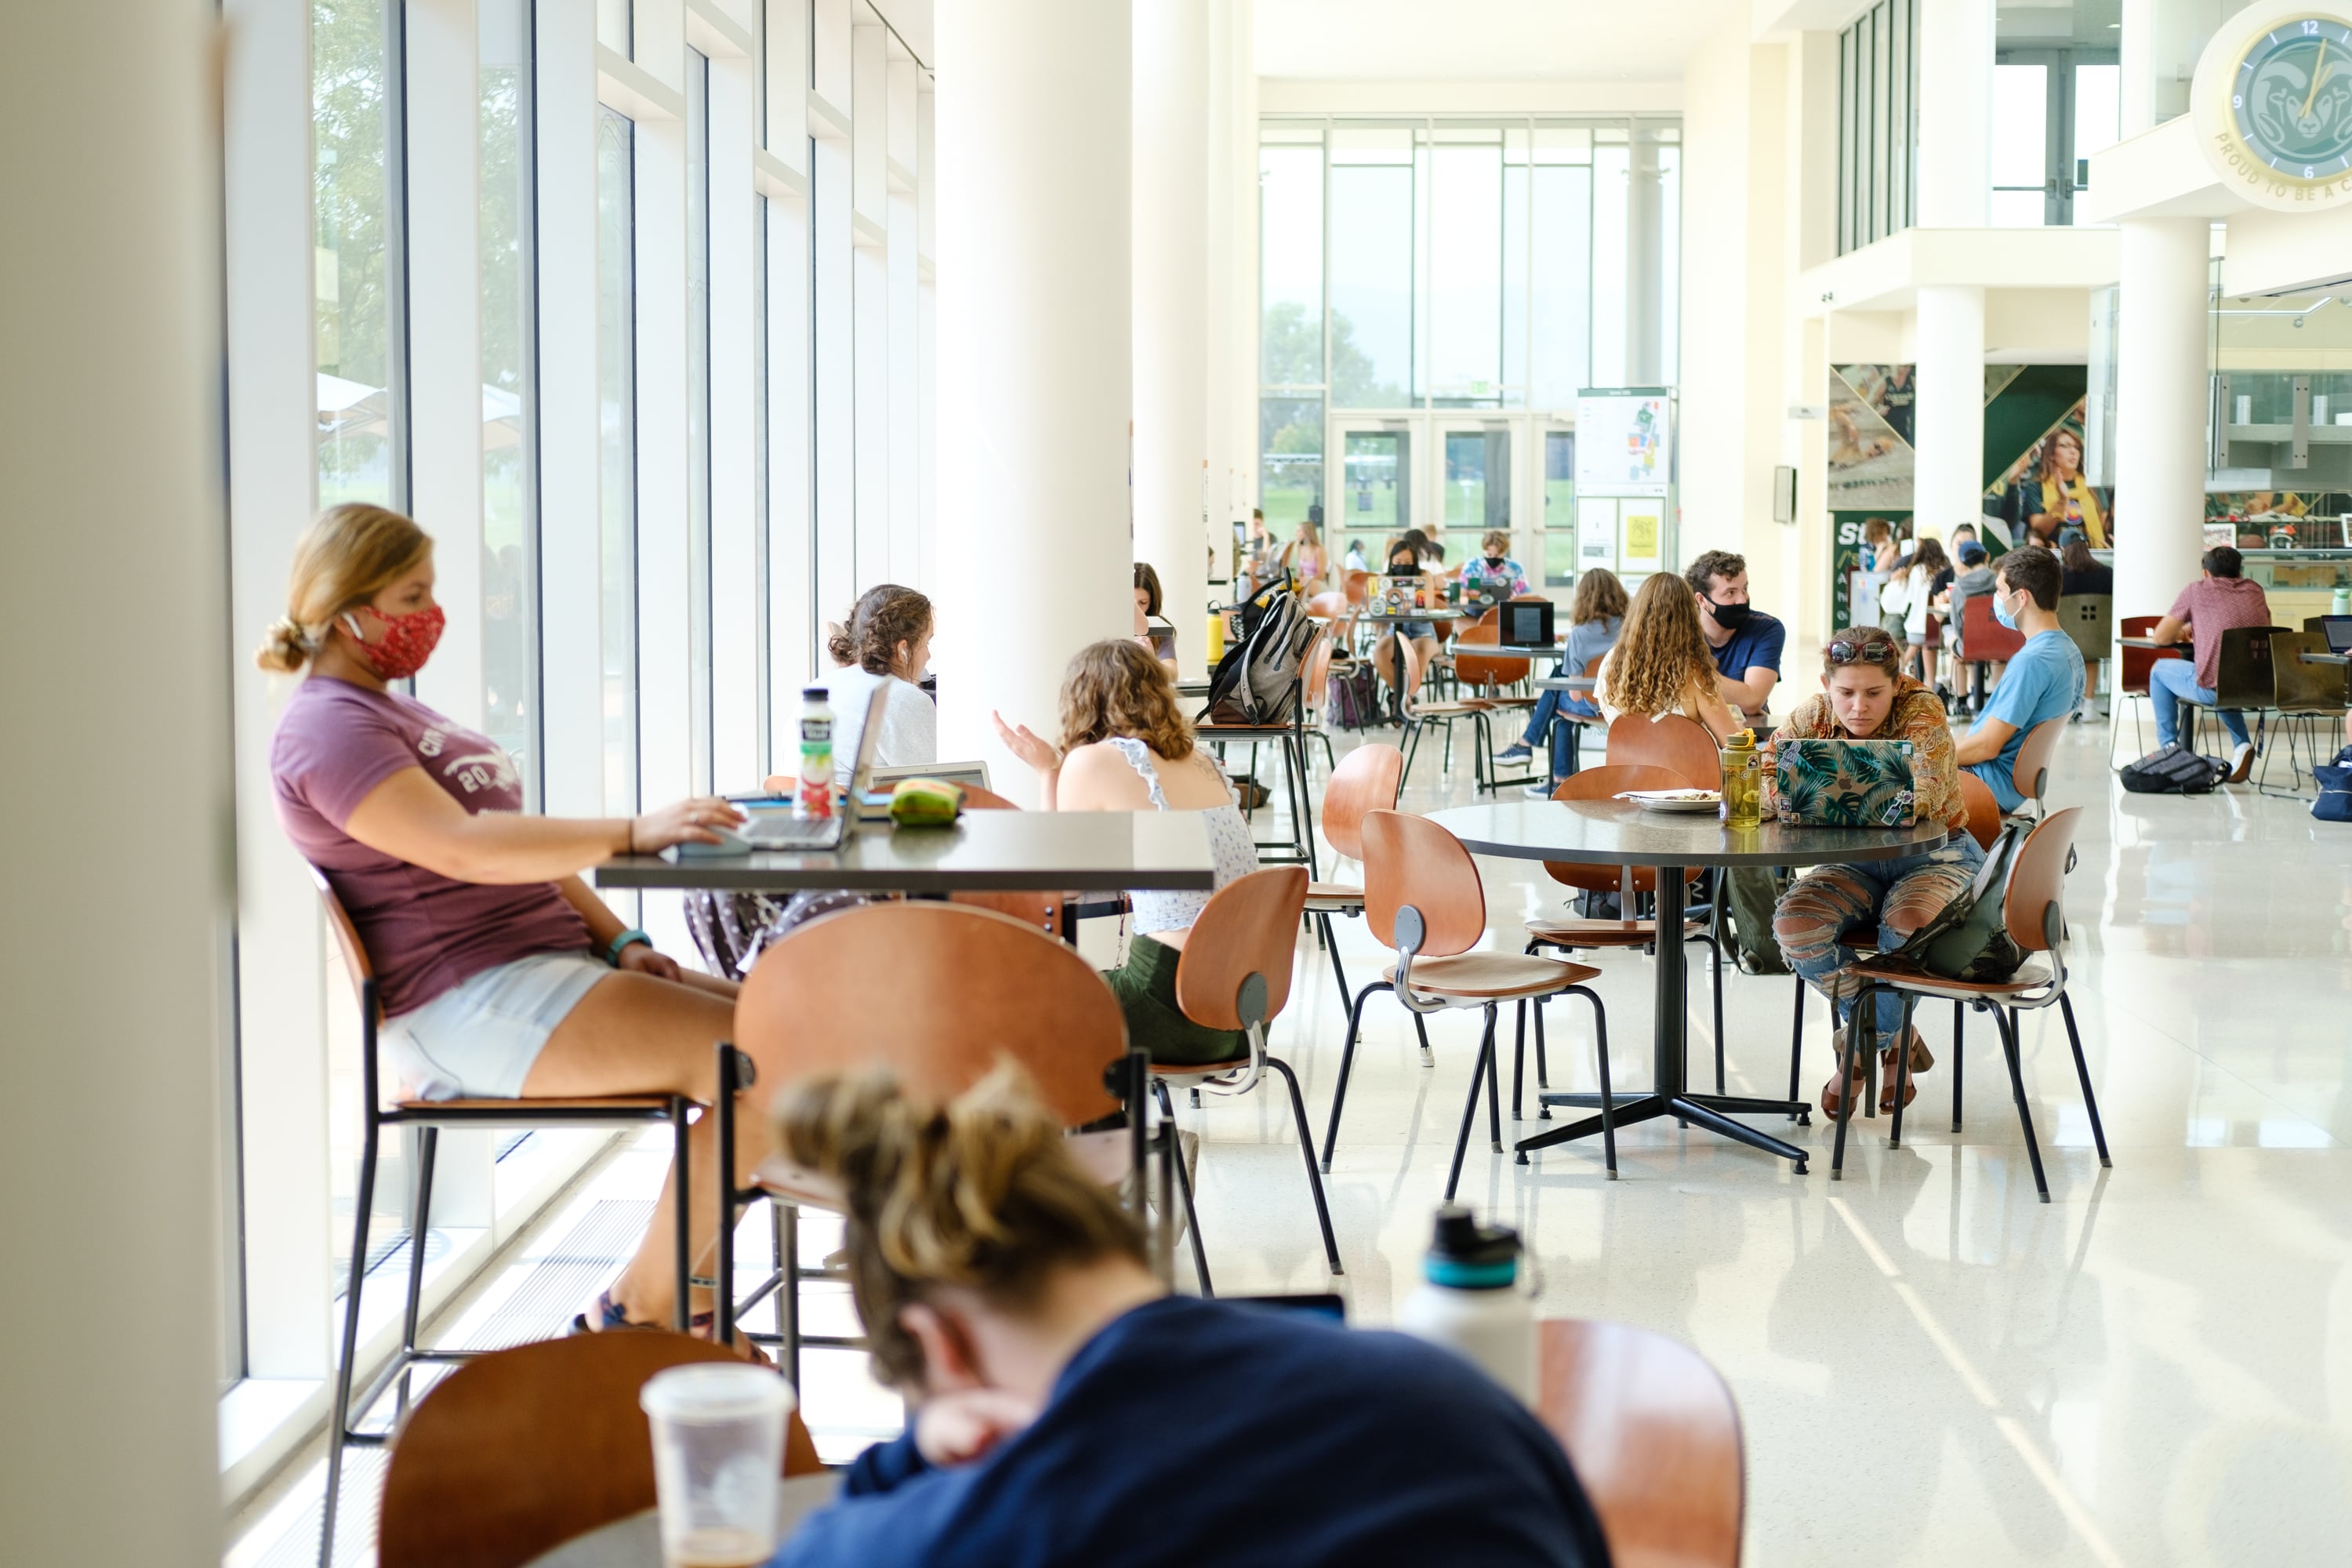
(1706, 1109)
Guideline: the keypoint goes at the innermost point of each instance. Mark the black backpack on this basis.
(1256, 681)
(2174, 770)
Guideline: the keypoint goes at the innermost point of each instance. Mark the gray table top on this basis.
(1566, 683)
(636, 1542)
(1435, 613)
(995, 851)
(1619, 833)
(1518, 650)
(2327, 659)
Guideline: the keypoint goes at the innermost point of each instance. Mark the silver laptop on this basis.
(776, 830)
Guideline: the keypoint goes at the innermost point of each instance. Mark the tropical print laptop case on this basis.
(1844, 783)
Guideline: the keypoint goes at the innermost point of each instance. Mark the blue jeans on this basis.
(1547, 705)
(2171, 682)
(1889, 899)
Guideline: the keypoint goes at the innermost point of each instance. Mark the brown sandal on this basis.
(1921, 1060)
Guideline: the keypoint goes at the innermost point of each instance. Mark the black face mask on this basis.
(1495, 563)
(1730, 617)
(1403, 569)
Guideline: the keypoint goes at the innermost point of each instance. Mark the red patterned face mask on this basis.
(408, 640)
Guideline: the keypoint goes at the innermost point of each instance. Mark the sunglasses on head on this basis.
(1879, 649)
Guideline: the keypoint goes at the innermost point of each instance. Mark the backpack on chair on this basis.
(1351, 696)
(1256, 681)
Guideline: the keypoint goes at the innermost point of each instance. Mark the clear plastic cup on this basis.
(719, 1451)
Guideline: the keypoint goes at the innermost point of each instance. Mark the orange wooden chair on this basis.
(2030, 771)
(1424, 901)
(1487, 675)
(1655, 1437)
(1670, 741)
(1419, 714)
(2132, 667)
(2033, 910)
(1235, 974)
(522, 1450)
(1370, 779)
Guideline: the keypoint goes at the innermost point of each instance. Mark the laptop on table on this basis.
(2338, 631)
(781, 830)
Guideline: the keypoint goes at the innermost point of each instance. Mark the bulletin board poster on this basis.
(1640, 531)
(1596, 533)
(1625, 442)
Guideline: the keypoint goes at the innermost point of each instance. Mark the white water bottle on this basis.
(1470, 1300)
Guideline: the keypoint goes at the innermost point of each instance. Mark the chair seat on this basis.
(1449, 709)
(1491, 976)
(2029, 977)
(1332, 897)
(624, 1104)
(1602, 934)
(1509, 701)
(1185, 1072)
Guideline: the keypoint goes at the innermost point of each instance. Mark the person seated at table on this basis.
(1865, 696)
(1746, 642)
(887, 643)
(1126, 745)
(1596, 616)
(1662, 663)
(2041, 681)
(1494, 576)
(1066, 1411)
(1356, 560)
(501, 975)
(1151, 628)
(2220, 599)
(2080, 573)
(1303, 559)
(1406, 556)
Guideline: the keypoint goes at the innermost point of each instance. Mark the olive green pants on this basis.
(1146, 988)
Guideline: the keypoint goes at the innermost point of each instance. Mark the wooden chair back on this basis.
(1984, 811)
(1316, 670)
(2131, 669)
(1984, 640)
(2038, 879)
(1038, 911)
(2244, 677)
(1411, 860)
(1601, 784)
(1484, 671)
(938, 994)
(1367, 779)
(1655, 1439)
(1251, 927)
(356, 964)
(1409, 665)
(2306, 688)
(522, 1450)
(2030, 771)
(1353, 586)
(1682, 746)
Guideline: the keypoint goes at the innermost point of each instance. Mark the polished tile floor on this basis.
(1931, 1366)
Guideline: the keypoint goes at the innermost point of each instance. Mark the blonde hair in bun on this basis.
(344, 559)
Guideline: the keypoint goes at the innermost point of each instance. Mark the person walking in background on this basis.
(1746, 642)
(1356, 560)
(1662, 663)
(1975, 578)
(2041, 681)
(1596, 617)
(2220, 600)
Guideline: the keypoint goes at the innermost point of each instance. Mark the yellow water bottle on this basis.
(1216, 636)
(1743, 782)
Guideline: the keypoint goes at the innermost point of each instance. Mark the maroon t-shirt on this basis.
(2212, 605)
(424, 932)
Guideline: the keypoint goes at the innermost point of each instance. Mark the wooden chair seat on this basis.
(1334, 896)
(651, 1104)
(1452, 709)
(2028, 977)
(1492, 976)
(1601, 933)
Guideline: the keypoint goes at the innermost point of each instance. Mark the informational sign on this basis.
(1625, 442)
(1639, 533)
(1596, 533)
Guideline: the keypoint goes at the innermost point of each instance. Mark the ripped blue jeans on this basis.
(1890, 898)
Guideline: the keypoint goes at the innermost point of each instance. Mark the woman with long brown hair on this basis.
(1055, 1385)
(1662, 663)
(1126, 745)
(2057, 500)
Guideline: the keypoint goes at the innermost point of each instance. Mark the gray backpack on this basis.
(1968, 938)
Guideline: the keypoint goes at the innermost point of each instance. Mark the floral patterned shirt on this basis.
(1508, 581)
(1916, 717)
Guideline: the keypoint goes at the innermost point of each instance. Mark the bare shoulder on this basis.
(1196, 784)
(1098, 777)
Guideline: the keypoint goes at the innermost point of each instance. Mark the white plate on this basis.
(1651, 802)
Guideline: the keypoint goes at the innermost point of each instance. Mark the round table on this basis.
(636, 1542)
(1620, 833)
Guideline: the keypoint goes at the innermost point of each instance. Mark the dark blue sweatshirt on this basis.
(1190, 1432)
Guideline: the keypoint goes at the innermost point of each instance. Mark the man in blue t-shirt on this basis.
(1746, 641)
(2043, 680)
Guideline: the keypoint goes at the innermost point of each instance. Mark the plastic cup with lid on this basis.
(719, 1451)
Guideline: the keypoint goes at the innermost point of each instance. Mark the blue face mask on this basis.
(2000, 612)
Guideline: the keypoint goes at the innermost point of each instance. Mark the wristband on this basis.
(612, 948)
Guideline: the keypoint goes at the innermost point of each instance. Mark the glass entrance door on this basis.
(1475, 487)
(1376, 491)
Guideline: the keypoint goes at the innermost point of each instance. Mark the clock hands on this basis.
(2318, 75)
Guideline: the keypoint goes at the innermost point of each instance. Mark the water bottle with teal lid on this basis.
(1471, 1301)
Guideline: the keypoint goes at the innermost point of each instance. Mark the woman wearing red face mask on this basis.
(500, 973)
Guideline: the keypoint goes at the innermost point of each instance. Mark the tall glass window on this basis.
(698, 413)
(1290, 341)
(362, 402)
(510, 437)
(1561, 213)
(1466, 268)
(1372, 223)
(1878, 124)
(616, 407)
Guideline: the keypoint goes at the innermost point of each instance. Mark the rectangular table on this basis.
(985, 851)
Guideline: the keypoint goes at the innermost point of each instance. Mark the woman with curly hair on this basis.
(1126, 745)
(1662, 663)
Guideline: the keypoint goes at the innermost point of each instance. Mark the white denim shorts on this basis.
(479, 1038)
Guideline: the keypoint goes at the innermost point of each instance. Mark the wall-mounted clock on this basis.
(2273, 105)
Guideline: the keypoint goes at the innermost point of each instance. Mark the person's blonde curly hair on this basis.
(1662, 661)
(1117, 687)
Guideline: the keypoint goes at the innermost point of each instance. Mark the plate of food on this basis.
(1688, 800)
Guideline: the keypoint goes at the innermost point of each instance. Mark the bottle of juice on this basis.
(814, 797)
(1743, 781)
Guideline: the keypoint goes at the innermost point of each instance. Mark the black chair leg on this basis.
(1470, 1105)
(2005, 1019)
(1959, 1056)
(1867, 1002)
(788, 1294)
(2083, 1073)
(1519, 1064)
(1184, 1187)
(1421, 1028)
(1306, 1150)
(1600, 1058)
(684, 1218)
(1494, 1085)
(1543, 1069)
(353, 1279)
(420, 1225)
(1797, 1044)
(1347, 1060)
(1902, 1073)
(1331, 946)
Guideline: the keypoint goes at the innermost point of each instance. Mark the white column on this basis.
(111, 626)
(1034, 356)
(1170, 310)
(2161, 398)
(1241, 263)
(1217, 235)
(2138, 47)
(1955, 170)
(1948, 426)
